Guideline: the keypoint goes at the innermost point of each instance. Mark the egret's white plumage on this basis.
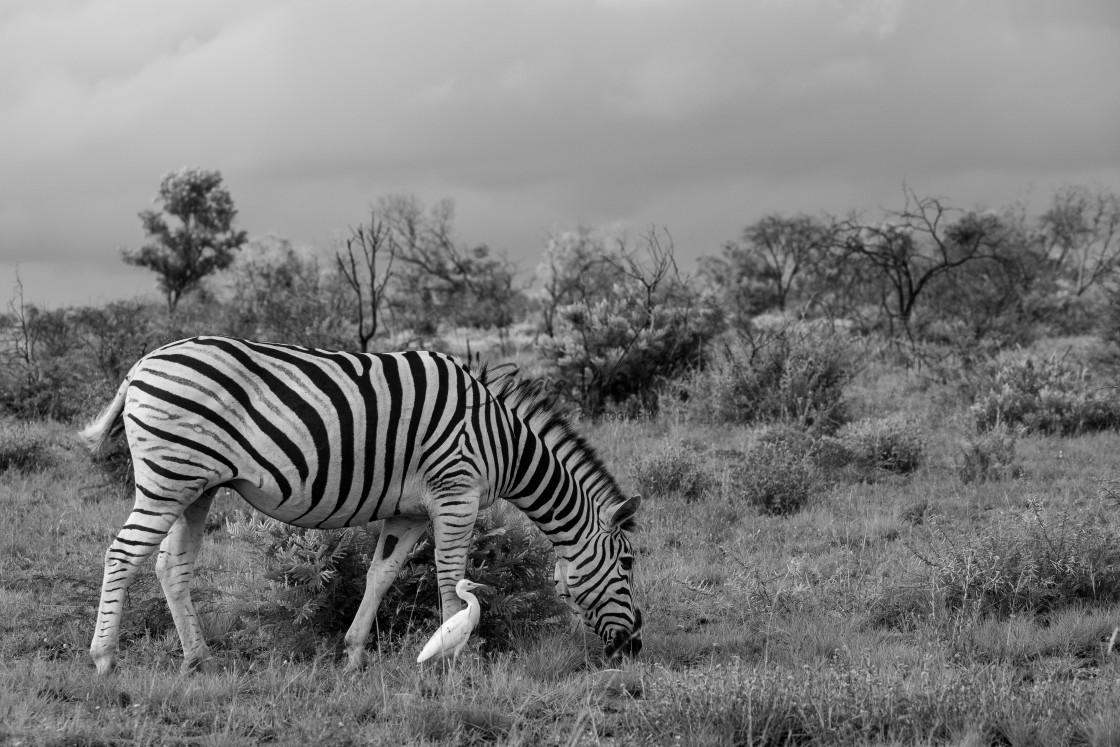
(452, 636)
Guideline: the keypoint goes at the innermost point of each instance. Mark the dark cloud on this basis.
(534, 115)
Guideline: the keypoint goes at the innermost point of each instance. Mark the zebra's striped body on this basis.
(323, 439)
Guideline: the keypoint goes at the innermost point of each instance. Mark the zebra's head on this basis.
(595, 582)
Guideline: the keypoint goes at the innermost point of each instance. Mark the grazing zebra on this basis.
(329, 439)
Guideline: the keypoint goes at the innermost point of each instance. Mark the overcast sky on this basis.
(533, 115)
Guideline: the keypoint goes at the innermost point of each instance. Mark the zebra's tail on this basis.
(103, 430)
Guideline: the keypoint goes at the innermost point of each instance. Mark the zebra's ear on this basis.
(622, 515)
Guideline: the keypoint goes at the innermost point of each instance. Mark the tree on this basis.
(767, 266)
(579, 266)
(359, 269)
(438, 279)
(1082, 234)
(197, 242)
(897, 259)
(1001, 296)
(279, 293)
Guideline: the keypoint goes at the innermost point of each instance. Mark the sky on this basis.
(534, 116)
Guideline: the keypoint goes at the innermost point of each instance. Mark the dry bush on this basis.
(671, 470)
(988, 456)
(867, 450)
(1030, 563)
(776, 477)
(23, 446)
(794, 374)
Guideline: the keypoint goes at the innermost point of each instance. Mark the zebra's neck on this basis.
(558, 480)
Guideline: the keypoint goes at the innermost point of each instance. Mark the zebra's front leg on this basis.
(175, 569)
(147, 525)
(453, 522)
(398, 535)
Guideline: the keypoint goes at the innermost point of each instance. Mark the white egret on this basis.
(452, 636)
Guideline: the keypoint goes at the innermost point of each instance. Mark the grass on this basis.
(833, 625)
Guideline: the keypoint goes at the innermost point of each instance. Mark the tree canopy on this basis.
(197, 241)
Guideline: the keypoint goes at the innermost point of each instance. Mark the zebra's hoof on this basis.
(201, 666)
(105, 668)
(357, 662)
(106, 663)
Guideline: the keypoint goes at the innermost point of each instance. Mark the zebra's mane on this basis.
(534, 404)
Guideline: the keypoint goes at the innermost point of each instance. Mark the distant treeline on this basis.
(611, 315)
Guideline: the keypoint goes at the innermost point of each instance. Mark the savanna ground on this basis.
(893, 607)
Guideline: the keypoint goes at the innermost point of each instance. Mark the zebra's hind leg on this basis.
(151, 518)
(398, 535)
(175, 569)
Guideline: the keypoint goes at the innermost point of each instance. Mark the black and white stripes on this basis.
(327, 439)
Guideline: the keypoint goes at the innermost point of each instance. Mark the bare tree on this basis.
(901, 255)
(368, 243)
(1082, 234)
(577, 267)
(440, 279)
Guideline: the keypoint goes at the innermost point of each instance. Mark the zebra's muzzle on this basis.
(625, 643)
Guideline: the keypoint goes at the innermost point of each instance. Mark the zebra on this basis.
(328, 439)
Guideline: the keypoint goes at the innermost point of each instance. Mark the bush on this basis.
(1031, 563)
(863, 451)
(671, 470)
(988, 456)
(317, 578)
(870, 447)
(1044, 395)
(643, 326)
(775, 477)
(795, 374)
(23, 447)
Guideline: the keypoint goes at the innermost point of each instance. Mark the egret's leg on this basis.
(398, 535)
(453, 524)
(151, 518)
(175, 569)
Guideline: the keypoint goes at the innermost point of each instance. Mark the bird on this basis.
(452, 636)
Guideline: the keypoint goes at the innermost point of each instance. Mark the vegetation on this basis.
(1047, 395)
(885, 520)
(621, 342)
(200, 241)
(316, 579)
(792, 373)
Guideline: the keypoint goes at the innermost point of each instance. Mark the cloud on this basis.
(539, 113)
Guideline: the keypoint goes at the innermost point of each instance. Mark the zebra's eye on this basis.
(626, 563)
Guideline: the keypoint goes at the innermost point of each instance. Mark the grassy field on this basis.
(891, 609)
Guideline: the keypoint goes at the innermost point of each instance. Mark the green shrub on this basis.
(988, 456)
(793, 436)
(864, 451)
(615, 351)
(795, 374)
(317, 577)
(775, 477)
(23, 446)
(621, 321)
(1030, 563)
(891, 444)
(1044, 395)
(671, 470)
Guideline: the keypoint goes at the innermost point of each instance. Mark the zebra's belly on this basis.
(329, 512)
